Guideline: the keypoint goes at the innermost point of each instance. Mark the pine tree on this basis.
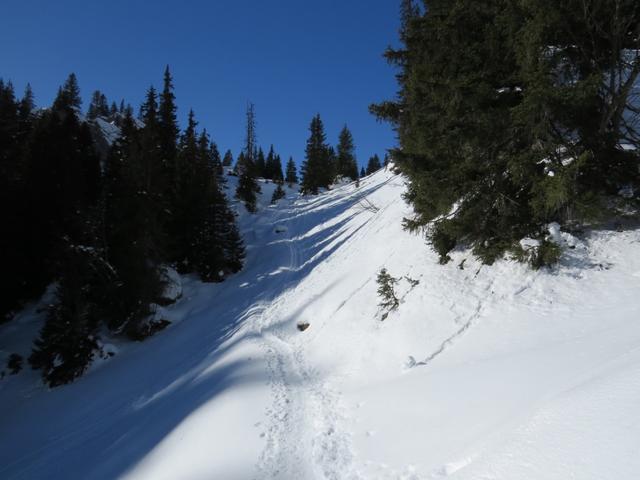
(317, 169)
(373, 165)
(67, 341)
(278, 193)
(388, 299)
(248, 187)
(270, 166)
(99, 106)
(292, 174)
(68, 95)
(260, 165)
(132, 226)
(362, 172)
(167, 133)
(27, 104)
(346, 160)
(227, 161)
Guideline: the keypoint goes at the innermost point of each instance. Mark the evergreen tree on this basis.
(227, 161)
(27, 105)
(98, 106)
(68, 340)
(132, 225)
(317, 169)
(278, 193)
(68, 95)
(270, 165)
(260, 165)
(216, 161)
(248, 187)
(362, 172)
(346, 160)
(167, 133)
(373, 165)
(292, 173)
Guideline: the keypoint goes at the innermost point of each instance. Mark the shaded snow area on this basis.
(482, 372)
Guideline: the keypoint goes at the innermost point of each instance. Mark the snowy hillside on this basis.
(481, 373)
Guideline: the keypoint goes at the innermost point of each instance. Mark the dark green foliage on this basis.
(227, 161)
(105, 233)
(363, 173)
(510, 115)
(68, 340)
(99, 106)
(246, 169)
(386, 292)
(68, 95)
(545, 254)
(317, 169)
(133, 227)
(273, 167)
(373, 165)
(260, 164)
(278, 193)
(14, 363)
(346, 164)
(292, 173)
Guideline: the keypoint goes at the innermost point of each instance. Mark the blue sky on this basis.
(291, 58)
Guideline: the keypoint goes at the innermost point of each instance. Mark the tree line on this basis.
(512, 115)
(105, 226)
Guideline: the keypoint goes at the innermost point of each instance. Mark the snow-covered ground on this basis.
(481, 373)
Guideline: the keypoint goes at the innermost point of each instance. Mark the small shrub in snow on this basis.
(386, 291)
(278, 193)
(14, 364)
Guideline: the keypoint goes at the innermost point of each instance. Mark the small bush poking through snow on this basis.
(389, 301)
(14, 364)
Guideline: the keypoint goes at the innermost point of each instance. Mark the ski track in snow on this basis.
(304, 437)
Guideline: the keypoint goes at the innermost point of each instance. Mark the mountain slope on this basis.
(482, 372)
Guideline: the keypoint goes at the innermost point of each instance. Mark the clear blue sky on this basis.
(291, 58)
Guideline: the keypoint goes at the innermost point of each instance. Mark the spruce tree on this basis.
(132, 225)
(373, 165)
(167, 133)
(68, 95)
(227, 161)
(292, 173)
(363, 173)
(317, 169)
(248, 187)
(260, 164)
(346, 159)
(278, 193)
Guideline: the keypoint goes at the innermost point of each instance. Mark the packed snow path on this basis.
(483, 372)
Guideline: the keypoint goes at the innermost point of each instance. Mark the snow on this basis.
(110, 131)
(482, 372)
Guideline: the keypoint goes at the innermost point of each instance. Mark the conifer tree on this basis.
(68, 95)
(278, 193)
(373, 165)
(317, 169)
(292, 173)
(132, 225)
(248, 187)
(167, 133)
(227, 161)
(27, 104)
(346, 160)
(363, 173)
(260, 164)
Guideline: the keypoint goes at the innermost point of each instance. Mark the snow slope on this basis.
(481, 373)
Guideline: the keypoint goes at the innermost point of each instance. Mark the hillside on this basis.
(494, 372)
